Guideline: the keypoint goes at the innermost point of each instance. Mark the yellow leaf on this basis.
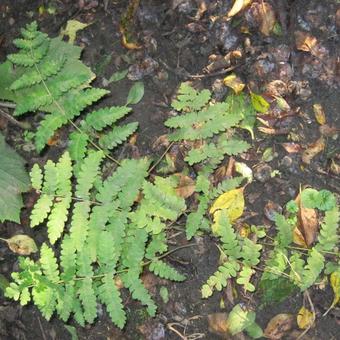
(234, 82)
(335, 283)
(305, 318)
(238, 6)
(319, 114)
(259, 103)
(71, 29)
(21, 244)
(232, 202)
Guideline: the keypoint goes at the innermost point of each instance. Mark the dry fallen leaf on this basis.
(313, 150)
(71, 29)
(304, 41)
(278, 326)
(234, 82)
(218, 323)
(334, 168)
(305, 318)
(307, 222)
(267, 18)
(238, 6)
(21, 244)
(186, 186)
(328, 131)
(232, 202)
(335, 284)
(298, 238)
(319, 114)
(292, 147)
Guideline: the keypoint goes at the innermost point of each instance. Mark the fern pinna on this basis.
(102, 238)
(46, 75)
(303, 269)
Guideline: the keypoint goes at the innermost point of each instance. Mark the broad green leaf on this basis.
(239, 319)
(13, 181)
(136, 93)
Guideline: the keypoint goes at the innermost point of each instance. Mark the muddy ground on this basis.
(177, 41)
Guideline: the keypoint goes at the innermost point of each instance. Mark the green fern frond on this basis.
(49, 263)
(156, 245)
(329, 234)
(224, 186)
(117, 135)
(251, 252)
(68, 259)
(109, 295)
(196, 219)
(88, 299)
(219, 279)
(164, 271)
(66, 302)
(245, 277)
(45, 298)
(189, 98)
(313, 268)
(285, 231)
(106, 116)
(41, 209)
(36, 177)
(78, 148)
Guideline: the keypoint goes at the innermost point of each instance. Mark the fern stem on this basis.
(8, 105)
(160, 158)
(300, 248)
(62, 111)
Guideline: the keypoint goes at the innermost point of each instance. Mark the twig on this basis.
(313, 311)
(24, 126)
(41, 329)
(8, 105)
(162, 156)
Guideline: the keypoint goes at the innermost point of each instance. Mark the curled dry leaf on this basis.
(307, 222)
(305, 318)
(292, 147)
(266, 18)
(313, 150)
(218, 323)
(278, 326)
(234, 82)
(304, 41)
(319, 114)
(22, 244)
(238, 6)
(186, 186)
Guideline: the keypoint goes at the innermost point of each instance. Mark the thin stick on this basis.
(313, 311)
(8, 105)
(162, 156)
(24, 126)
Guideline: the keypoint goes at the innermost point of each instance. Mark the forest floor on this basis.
(178, 39)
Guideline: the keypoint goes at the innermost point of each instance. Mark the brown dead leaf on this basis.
(304, 41)
(278, 326)
(292, 147)
(271, 131)
(313, 150)
(225, 171)
(307, 222)
(161, 141)
(21, 244)
(328, 131)
(298, 238)
(319, 114)
(267, 18)
(218, 323)
(186, 186)
(334, 168)
(238, 6)
(305, 318)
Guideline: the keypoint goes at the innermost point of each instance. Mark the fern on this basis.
(46, 75)
(163, 270)
(237, 256)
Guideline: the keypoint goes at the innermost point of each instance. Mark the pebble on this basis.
(263, 173)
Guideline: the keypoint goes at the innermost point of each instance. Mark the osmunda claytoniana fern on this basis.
(101, 238)
(46, 75)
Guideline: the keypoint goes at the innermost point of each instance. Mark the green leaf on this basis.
(259, 103)
(136, 93)
(254, 331)
(13, 181)
(117, 76)
(239, 319)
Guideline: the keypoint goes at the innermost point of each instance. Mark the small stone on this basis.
(271, 209)
(263, 173)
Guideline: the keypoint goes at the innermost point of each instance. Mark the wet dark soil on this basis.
(179, 46)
